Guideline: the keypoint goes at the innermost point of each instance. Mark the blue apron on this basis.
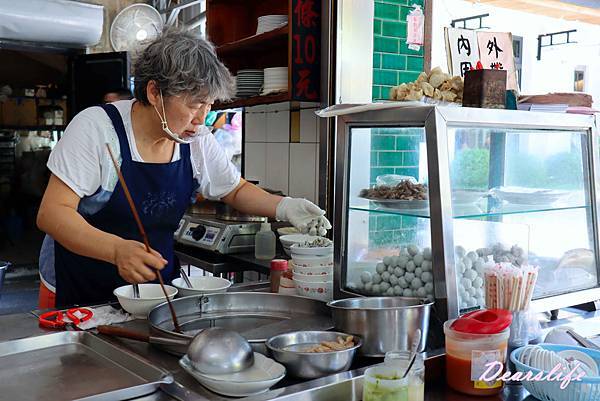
(161, 192)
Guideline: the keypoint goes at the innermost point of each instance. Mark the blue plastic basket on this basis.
(588, 389)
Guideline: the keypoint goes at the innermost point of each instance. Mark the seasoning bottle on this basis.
(264, 243)
(278, 266)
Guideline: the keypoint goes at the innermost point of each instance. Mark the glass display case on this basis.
(478, 187)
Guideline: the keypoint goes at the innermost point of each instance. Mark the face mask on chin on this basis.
(165, 126)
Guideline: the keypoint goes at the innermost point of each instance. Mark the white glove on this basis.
(304, 215)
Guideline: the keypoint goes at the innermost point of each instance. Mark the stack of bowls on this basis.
(312, 270)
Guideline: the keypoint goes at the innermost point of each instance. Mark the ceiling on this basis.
(573, 10)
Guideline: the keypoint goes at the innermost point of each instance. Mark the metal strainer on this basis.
(216, 351)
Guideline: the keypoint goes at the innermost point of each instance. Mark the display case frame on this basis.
(435, 121)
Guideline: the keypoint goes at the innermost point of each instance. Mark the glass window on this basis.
(388, 237)
(533, 179)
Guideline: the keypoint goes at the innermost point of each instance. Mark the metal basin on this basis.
(288, 349)
(256, 316)
(384, 323)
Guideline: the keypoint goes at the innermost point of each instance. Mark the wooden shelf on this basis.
(252, 101)
(256, 43)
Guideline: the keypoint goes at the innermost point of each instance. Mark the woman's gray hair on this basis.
(182, 63)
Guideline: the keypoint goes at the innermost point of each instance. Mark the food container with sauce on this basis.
(385, 382)
(473, 342)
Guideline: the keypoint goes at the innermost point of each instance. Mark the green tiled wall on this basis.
(393, 61)
(393, 151)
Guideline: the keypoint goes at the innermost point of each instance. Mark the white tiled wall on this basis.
(255, 161)
(302, 170)
(278, 161)
(271, 158)
(308, 126)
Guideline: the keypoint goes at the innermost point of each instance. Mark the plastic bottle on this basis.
(278, 266)
(264, 243)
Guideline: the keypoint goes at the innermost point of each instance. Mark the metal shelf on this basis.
(470, 211)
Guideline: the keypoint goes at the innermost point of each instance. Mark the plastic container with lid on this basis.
(474, 341)
(385, 382)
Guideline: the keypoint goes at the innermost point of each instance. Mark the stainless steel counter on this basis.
(346, 386)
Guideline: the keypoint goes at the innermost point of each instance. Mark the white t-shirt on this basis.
(80, 159)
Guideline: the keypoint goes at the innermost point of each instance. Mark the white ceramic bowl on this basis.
(312, 261)
(313, 278)
(201, 285)
(319, 291)
(290, 239)
(255, 380)
(311, 271)
(316, 251)
(151, 295)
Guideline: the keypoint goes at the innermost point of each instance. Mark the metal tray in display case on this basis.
(74, 366)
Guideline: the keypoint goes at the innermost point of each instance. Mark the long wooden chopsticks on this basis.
(143, 233)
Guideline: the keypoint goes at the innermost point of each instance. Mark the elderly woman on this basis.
(166, 156)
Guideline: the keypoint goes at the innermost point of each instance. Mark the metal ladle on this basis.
(212, 351)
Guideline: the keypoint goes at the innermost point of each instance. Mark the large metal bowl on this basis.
(257, 316)
(288, 348)
(384, 323)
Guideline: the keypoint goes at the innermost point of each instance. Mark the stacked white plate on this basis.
(268, 23)
(275, 80)
(248, 82)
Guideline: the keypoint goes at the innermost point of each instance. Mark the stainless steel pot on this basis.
(384, 323)
(256, 316)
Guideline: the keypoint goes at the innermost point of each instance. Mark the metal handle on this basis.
(122, 332)
(136, 335)
(185, 278)
(582, 340)
(136, 291)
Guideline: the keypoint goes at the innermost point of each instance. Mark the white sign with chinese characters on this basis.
(462, 50)
(496, 52)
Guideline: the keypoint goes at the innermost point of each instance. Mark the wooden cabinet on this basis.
(231, 26)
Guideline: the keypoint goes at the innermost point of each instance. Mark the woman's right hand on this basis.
(135, 264)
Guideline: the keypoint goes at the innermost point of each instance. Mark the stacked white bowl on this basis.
(268, 23)
(312, 270)
(275, 80)
(248, 82)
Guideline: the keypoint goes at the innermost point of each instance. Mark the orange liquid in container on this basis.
(458, 377)
(472, 343)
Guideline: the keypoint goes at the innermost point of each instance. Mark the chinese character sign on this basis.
(462, 50)
(306, 50)
(496, 52)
